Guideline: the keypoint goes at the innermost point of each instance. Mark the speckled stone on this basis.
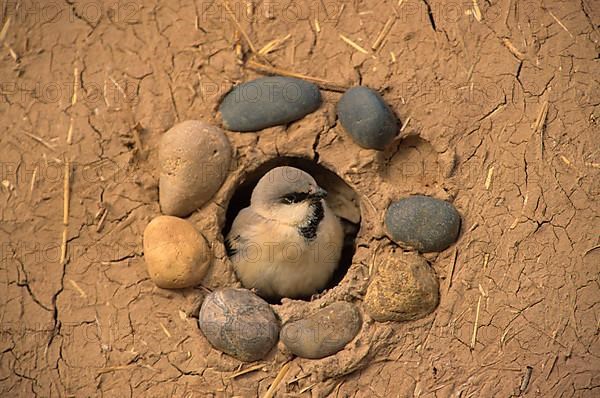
(404, 288)
(423, 223)
(323, 333)
(367, 118)
(239, 323)
(267, 102)
(194, 159)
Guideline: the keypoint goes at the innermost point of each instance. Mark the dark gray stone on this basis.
(239, 323)
(424, 223)
(367, 118)
(324, 333)
(267, 102)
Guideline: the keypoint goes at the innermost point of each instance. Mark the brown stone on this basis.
(404, 288)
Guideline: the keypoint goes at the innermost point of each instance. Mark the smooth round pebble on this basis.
(267, 102)
(194, 159)
(177, 255)
(367, 118)
(239, 323)
(423, 223)
(404, 288)
(323, 333)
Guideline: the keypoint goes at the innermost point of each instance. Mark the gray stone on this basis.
(367, 118)
(267, 102)
(194, 159)
(324, 333)
(239, 323)
(423, 223)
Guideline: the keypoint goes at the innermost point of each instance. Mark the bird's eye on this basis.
(294, 197)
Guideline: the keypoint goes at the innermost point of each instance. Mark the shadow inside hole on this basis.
(341, 198)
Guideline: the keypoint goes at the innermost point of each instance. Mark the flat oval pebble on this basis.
(267, 102)
(239, 323)
(423, 223)
(194, 160)
(367, 118)
(177, 255)
(323, 333)
(404, 288)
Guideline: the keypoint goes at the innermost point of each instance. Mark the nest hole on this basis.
(341, 199)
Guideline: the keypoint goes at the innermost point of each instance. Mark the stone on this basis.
(176, 254)
(367, 118)
(194, 159)
(239, 323)
(267, 102)
(423, 223)
(404, 288)
(323, 333)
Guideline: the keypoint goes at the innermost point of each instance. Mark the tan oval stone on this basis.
(404, 288)
(177, 255)
(194, 159)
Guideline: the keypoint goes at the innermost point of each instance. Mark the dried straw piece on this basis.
(488, 179)
(12, 52)
(476, 324)
(353, 44)
(40, 140)
(66, 192)
(322, 83)
(246, 371)
(79, 289)
(165, 330)
(75, 85)
(273, 44)
(63, 246)
(4, 30)
(560, 23)
(508, 44)
(32, 185)
(102, 220)
(307, 388)
(239, 27)
(282, 372)
(477, 11)
(70, 131)
(387, 27)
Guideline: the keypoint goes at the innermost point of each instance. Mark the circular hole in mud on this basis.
(341, 199)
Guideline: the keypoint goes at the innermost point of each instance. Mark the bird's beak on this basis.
(319, 193)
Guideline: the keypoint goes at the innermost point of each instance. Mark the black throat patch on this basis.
(308, 229)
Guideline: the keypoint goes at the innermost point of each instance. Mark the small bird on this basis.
(288, 242)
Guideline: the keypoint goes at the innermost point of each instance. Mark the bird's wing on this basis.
(245, 219)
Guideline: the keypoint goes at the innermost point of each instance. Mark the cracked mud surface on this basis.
(528, 254)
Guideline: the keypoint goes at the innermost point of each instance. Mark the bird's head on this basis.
(285, 194)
